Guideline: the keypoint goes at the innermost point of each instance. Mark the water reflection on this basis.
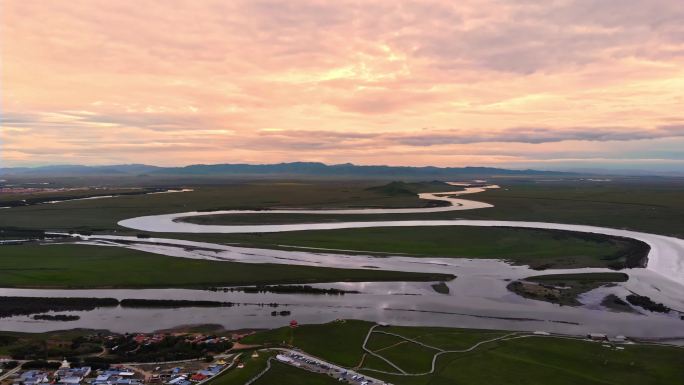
(400, 303)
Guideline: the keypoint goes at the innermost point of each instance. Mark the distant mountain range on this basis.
(311, 169)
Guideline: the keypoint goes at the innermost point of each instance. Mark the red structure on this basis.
(293, 324)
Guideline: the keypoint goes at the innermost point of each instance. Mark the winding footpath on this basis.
(440, 352)
(434, 358)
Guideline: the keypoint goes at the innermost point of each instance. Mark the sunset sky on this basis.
(545, 84)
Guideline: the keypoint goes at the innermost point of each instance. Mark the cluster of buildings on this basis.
(33, 377)
(116, 376)
(146, 339)
(195, 339)
(65, 375)
(179, 378)
(605, 337)
(199, 339)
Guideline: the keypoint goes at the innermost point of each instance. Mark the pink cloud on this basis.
(193, 80)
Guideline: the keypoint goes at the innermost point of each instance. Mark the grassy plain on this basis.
(339, 342)
(563, 288)
(546, 361)
(66, 193)
(444, 338)
(650, 205)
(579, 277)
(103, 214)
(282, 374)
(643, 204)
(533, 360)
(84, 266)
(11, 340)
(537, 248)
(239, 376)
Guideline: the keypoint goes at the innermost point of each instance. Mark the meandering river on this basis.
(666, 256)
(477, 298)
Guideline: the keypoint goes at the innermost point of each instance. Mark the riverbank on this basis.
(84, 266)
(539, 248)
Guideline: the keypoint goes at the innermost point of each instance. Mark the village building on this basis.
(66, 375)
(33, 377)
(597, 336)
(116, 376)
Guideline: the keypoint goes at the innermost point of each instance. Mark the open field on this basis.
(547, 361)
(443, 338)
(654, 206)
(83, 266)
(580, 277)
(563, 288)
(12, 340)
(647, 205)
(530, 360)
(338, 342)
(651, 205)
(239, 376)
(537, 248)
(47, 194)
(282, 374)
(103, 214)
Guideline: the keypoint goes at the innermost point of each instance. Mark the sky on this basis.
(544, 84)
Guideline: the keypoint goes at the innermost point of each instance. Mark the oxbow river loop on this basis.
(478, 297)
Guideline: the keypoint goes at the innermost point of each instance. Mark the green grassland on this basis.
(533, 360)
(419, 361)
(652, 205)
(84, 266)
(546, 361)
(103, 214)
(282, 374)
(375, 363)
(383, 341)
(66, 193)
(239, 376)
(546, 287)
(648, 205)
(443, 338)
(338, 342)
(579, 277)
(58, 339)
(537, 248)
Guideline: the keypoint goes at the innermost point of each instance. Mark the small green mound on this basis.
(563, 289)
(580, 277)
(406, 188)
(440, 288)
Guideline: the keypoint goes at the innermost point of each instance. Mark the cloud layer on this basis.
(445, 83)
